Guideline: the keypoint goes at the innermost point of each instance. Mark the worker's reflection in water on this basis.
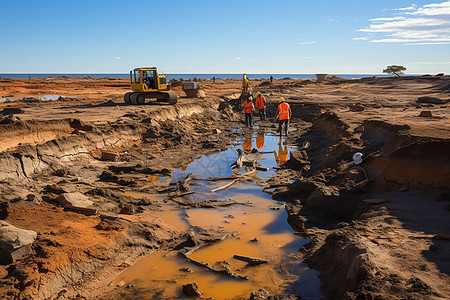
(247, 145)
(283, 153)
(260, 140)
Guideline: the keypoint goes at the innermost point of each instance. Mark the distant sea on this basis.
(192, 76)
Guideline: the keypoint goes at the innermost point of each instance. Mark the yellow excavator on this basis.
(147, 84)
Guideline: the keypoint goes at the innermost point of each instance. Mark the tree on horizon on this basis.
(394, 69)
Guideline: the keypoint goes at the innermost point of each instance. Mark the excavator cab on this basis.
(147, 84)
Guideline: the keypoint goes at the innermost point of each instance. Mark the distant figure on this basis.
(245, 85)
(214, 79)
(283, 153)
(283, 114)
(260, 104)
(260, 141)
(271, 79)
(248, 107)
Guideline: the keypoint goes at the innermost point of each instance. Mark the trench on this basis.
(260, 227)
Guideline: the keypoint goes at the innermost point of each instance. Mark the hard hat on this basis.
(357, 158)
(250, 98)
(258, 93)
(281, 99)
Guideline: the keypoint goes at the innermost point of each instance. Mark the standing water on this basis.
(263, 232)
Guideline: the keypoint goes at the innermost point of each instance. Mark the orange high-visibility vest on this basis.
(283, 109)
(260, 101)
(248, 106)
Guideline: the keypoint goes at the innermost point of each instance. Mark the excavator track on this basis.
(136, 98)
(172, 97)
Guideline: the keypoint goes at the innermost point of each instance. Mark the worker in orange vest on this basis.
(248, 107)
(261, 105)
(284, 115)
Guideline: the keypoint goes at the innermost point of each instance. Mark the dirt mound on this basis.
(445, 86)
(433, 100)
(332, 125)
(420, 163)
(381, 135)
(11, 111)
(305, 111)
(265, 83)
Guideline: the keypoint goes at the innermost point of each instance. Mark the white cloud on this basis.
(424, 25)
(360, 39)
(237, 58)
(117, 57)
(307, 43)
(412, 7)
(387, 19)
(436, 9)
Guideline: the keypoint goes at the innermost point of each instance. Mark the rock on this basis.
(425, 113)
(60, 172)
(191, 290)
(11, 111)
(322, 196)
(297, 160)
(75, 200)
(124, 265)
(121, 284)
(108, 176)
(128, 209)
(34, 198)
(356, 107)
(15, 243)
(358, 129)
(252, 261)
(216, 131)
(187, 270)
(109, 156)
(54, 189)
(295, 219)
(79, 125)
(260, 294)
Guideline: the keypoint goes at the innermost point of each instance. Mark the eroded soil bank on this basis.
(378, 230)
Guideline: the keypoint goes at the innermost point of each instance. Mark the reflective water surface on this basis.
(263, 233)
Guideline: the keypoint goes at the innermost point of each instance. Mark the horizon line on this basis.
(225, 73)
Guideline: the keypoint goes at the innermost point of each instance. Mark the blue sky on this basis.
(304, 36)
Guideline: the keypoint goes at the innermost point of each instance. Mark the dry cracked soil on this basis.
(74, 172)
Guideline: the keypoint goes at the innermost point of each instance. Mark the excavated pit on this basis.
(259, 230)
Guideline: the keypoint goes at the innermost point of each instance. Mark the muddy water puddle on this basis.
(260, 224)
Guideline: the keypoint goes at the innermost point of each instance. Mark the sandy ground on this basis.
(378, 231)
